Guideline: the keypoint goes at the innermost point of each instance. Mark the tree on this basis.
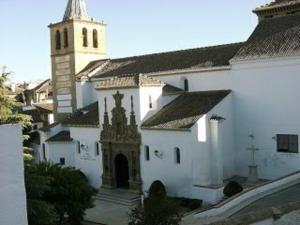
(69, 191)
(157, 211)
(39, 211)
(8, 106)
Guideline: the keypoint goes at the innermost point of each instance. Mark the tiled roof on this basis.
(272, 38)
(198, 58)
(44, 107)
(85, 117)
(128, 82)
(185, 110)
(63, 136)
(35, 115)
(48, 128)
(171, 90)
(277, 4)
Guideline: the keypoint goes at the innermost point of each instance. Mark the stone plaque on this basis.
(63, 91)
(62, 72)
(64, 65)
(64, 97)
(64, 84)
(63, 78)
(64, 103)
(64, 109)
(61, 59)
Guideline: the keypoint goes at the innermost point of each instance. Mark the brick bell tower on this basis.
(75, 41)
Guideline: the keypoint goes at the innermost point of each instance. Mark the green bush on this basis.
(191, 204)
(232, 188)
(64, 190)
(157, 211)
(157, 189)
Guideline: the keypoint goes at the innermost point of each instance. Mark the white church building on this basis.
(186, 118)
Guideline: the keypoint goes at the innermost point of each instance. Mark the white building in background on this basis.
(12, 191)
(185, 118)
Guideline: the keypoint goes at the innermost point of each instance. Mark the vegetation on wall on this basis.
(8, 106)
(232, 188)
(158, 209)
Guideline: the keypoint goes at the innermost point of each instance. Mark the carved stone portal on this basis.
(120, 148)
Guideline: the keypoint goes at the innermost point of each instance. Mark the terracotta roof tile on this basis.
(128, 82)
(185, 110)
(161, 62)
(272, 38)
(85, 117)
(63, 136)
(171, 90)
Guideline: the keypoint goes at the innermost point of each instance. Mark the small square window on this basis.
(62, 161)
(287, 143)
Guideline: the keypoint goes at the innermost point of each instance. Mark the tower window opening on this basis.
(58, 40)
(66, 38)
(85, 37)
(95, 38)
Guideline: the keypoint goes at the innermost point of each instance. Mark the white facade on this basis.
(262, 104)
(12, 192)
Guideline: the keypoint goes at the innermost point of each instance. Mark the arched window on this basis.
(66, 38)
(95, 38)
(57, 40)
(85, 37)
(177, 155)
(186, 85)
(147, 153)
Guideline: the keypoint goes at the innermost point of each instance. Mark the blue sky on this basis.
(134, 27)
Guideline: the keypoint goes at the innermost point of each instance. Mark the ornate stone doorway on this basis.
(120, 144)
(121, 171)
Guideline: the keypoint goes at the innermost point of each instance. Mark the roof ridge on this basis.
(180, 50)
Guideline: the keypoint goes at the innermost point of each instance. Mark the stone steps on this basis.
(118, 196)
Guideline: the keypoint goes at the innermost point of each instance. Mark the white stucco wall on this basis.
(196, 160)
(57, 150)
(265, 96)
(85, 93)
(88, 161)
(12, 192)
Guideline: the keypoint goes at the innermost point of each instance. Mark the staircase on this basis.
(118, 196)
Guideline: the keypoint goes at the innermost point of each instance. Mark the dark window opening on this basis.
(85, 37)
(177, 153)
(95, 38)
(78, 147)
(147, 153)
(186, 85)
(44, 152)
(150, 102)
(287, 143)
(66, 38)
(58, 40)
(62, 161)
(97, 149)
